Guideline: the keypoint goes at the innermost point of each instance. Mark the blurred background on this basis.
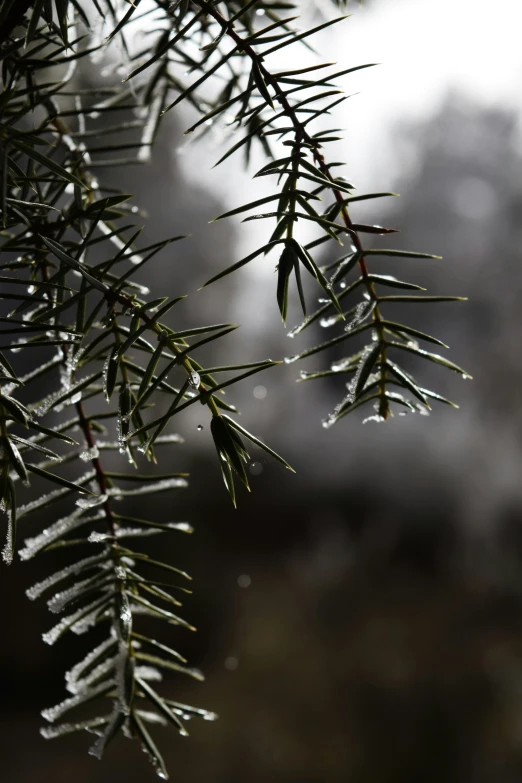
(360, 621)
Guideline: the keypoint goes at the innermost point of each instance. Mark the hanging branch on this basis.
(74, 313)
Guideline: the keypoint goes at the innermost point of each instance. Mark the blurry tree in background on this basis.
(88, 353)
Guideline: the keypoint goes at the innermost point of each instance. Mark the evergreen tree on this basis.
(75, 316)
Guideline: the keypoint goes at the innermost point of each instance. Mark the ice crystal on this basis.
(148, 489)
(51, 732)
(7, 551)
(44, 500)
(80, 685)
(77, 622)
(53, 713)
(99, 538)
(56, 531)
(149, 673)
(90, 454)
(73, 570)
(57, 603)
(99, 746)
(91, 502)
(74, 674)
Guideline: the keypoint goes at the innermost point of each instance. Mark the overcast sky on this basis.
(426, 48)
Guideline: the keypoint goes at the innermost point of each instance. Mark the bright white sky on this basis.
(428, 45)
(426, 48)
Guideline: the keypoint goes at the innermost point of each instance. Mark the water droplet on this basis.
(91, 501)
(90, 454)
(291, 359)
(244, 580)
(329, 421)
(297, 329)
(231, 663)
(194, 379)
(183, 526)
(260, 392)
(200, 427)
(326, 322)
(342, 285)
(360, 313)
(256, 468)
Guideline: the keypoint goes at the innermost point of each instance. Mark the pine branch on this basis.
(374, 372)
(303, 137)
(70, 258)
(76, 316)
